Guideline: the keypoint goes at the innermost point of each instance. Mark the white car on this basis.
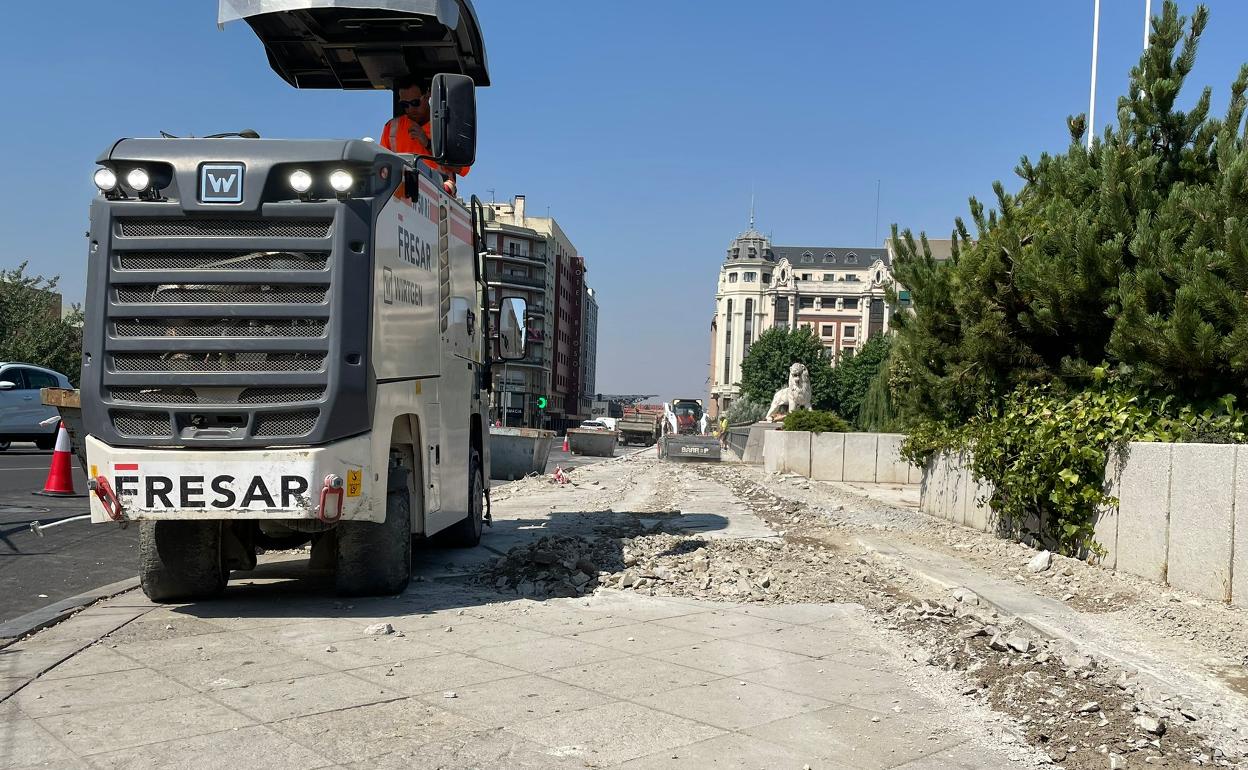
(21, 410)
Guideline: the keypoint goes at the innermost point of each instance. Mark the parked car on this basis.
(596, 424)
(21, 410)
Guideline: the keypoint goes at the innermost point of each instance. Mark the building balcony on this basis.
(519, 281)
(523, 259)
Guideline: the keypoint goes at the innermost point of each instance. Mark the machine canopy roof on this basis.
(363, 44)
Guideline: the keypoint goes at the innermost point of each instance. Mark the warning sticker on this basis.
(355, 481)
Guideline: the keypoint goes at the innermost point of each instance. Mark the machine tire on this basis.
(467, 532)
(376, 559)
(180, 560)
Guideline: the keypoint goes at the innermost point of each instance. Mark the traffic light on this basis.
(541, 402)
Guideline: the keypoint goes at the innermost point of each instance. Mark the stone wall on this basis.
(1181, 519)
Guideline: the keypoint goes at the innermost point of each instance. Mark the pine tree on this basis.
(1133, 253)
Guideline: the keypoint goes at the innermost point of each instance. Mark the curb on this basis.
(24, 625)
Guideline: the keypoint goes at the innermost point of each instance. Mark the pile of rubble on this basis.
(1082, 710)
(555, 566)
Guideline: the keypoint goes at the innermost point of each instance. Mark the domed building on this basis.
(836, 291)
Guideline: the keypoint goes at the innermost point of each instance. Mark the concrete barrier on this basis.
(1181, 516)
(860, 451)
(857, 457)
(889, 467)
(827, 456)
(773, 451)
(796, 444)
(1202, 519)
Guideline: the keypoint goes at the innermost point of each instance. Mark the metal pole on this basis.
(1096, 33)
(1148, 18)
(507, 392)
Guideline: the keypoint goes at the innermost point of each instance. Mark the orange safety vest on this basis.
(397, 137)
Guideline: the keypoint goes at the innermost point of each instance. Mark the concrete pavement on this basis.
(281, 674)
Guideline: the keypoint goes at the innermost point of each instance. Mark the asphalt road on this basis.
(79, 556)
(566, 460)
(69, 559)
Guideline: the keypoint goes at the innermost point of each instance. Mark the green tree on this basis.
(1132, 254)
(31, 331)
(854, 373)
(765, 368)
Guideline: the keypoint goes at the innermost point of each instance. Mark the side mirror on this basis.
(512, 343)
(7, 385)
(453, 120)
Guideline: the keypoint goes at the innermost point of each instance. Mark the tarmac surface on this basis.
(69, 559)
(280, 673)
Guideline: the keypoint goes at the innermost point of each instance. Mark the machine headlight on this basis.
(105, 179)
(341, 181)
(138, 179)
(300, 181)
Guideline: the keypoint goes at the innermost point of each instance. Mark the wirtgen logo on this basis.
(221, 183)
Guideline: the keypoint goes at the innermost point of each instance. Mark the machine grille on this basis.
(148, 424)
(218, 362)
(272, 424)
(187, 227)
(222, 260)
(225, 294)
(302, 328)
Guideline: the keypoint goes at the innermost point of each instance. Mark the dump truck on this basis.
(639, 428)
(290, 341)
(686, 432)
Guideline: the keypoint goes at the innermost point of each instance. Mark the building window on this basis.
(851, 303)
(829, 330)
(851, 331)
(852, 278)
(728, 344)
(749, 326)
(766, 277)
(808, 257)
(806, 276)
(851, 258)
(749, 277)
(806, 303)
(829, 276)
(782, 313)
(732, 278)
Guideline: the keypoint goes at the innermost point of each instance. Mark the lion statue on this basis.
(795, 396)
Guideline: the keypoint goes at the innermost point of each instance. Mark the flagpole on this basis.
(1148, 17)
(1096, 33)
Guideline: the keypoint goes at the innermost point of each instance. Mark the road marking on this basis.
(35, 468)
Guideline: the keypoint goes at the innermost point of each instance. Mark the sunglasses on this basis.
(403, 104)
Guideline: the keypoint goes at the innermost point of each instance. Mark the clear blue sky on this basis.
(643, 126)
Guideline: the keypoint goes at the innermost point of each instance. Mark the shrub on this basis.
(1045, 452)
(815, 422)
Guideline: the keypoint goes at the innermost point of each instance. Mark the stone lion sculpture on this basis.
(795, 396)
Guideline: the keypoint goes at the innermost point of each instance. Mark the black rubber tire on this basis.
(376, 559)
(4, 445)
(467, 532)
(46, 443)
(181, 560)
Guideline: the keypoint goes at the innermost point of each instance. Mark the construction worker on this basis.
(723, 431)
(409, 132)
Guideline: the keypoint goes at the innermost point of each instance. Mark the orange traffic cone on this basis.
(565, 442)
(60, 481)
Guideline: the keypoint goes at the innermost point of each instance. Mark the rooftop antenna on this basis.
(491, 196)
(751, 209)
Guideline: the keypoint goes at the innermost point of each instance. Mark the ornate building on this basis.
(837, 292)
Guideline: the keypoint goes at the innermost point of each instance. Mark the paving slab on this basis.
(352, 735)
(859, 738)
(738, 703)
(635, 731)
(255, 748)
(634, 677)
